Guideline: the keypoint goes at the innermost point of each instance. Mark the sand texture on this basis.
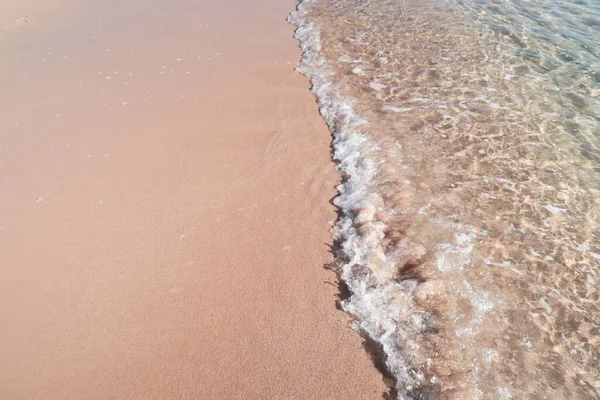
(165, 215)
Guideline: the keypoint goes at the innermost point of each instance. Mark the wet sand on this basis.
(165, 215)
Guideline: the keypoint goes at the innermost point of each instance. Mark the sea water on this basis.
(467, 133)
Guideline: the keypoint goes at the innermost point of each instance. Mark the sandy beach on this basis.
(165, 213)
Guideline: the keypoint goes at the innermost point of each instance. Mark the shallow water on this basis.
(468, 135)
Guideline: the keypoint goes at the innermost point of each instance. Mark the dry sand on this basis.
(164, 217)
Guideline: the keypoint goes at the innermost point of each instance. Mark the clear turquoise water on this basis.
(558, 43)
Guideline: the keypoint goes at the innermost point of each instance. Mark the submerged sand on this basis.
(165, 215)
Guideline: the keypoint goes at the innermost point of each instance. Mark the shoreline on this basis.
(466, 234)
(167, 215)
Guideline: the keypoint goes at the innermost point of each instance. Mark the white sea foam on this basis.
(376, 299)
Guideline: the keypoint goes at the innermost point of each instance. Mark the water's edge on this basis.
(356, 230)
